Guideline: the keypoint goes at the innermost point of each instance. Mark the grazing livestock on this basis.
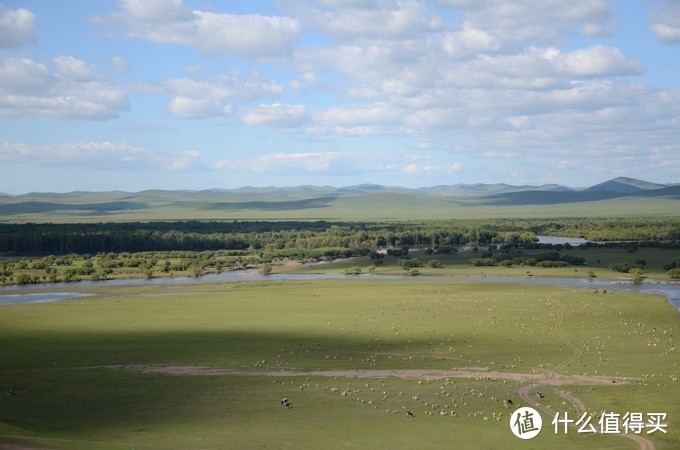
(10, 392)
(539, 394)
(285, 403)
(410, 414)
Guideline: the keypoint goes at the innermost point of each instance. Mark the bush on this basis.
(624, 267)
(434, 263)
(573, 260)
(353, 270)
(410, 263)
(446, 249)
(552, 264)
(674, 273)
(482, 262)
(24, 278)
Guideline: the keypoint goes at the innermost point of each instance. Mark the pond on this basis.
(37, 297)
(41, 292)
(556, 240)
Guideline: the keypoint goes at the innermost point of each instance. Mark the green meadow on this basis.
(206, 365)
(597, 264)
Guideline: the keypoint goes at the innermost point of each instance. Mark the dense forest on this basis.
(62, 239)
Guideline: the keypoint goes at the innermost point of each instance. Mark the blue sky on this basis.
(171, 94)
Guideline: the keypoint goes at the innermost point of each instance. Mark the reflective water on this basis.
(41, 292)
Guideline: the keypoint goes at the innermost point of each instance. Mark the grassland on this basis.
(314, 203)
(597, 264)
(100, 372)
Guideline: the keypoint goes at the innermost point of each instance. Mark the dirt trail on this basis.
(525, 390)
(426, 374)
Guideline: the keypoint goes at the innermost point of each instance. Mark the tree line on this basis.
(284, 236)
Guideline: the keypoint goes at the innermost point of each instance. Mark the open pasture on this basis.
(206, 365)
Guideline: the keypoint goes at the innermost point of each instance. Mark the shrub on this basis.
(434, 263)
(410, 263)
(24, 278)
(674, 273)
(573, 260)
(552, 264)
(481, 262)
(625, 267)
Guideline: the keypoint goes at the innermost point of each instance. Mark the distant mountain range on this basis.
(617, 185)
(619, 196)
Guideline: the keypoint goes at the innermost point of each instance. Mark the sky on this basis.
(100, 95)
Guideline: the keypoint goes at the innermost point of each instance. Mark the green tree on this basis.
(637, 275)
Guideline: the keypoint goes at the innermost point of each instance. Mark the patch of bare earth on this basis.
(472, 372)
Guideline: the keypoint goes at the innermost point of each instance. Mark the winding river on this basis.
(46, 292)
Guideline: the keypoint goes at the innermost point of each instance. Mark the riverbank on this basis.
(36, 293)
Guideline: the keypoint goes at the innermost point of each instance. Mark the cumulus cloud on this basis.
(210, 96)
(330, 162)
(545, 21)
(276, 115)
(308, 162)
(96, 155)
(470, 41)
(415, 169)
(359, 20)
(597, 61)
(73, 90)
(74, 69)
(358, 120)
(201, 108)
(665, 22)
(17, 27)
(172, 22)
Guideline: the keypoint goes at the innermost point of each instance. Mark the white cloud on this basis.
(665, 22)
(470, 41)
(361, 120)
(172, 22)
(120, 64)
(414, 169)
(540, 68)
(544, 21)
(192, 108)
(361, 20)
(276, 115)
(96, 156)
(157, 10)
(75, 90)
(597, 61)
(17, 27)
(329, 162)
(74, 69)
(211, 96)
(307, 162)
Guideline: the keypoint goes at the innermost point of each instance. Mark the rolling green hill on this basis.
(621, 197)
